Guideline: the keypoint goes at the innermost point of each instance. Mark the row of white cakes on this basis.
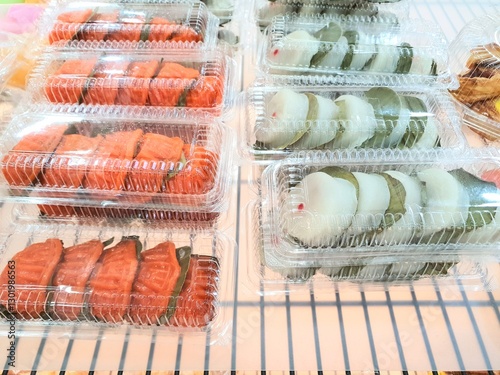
(335, 49)
(379, 118)
(336, 207)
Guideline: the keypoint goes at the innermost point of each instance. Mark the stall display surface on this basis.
(342, 328)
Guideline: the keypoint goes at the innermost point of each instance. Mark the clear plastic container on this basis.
(321, 209)
(269, 273)
(164, 24)
(194, 82)
(265, 10)
(8, 52)
(475, 58)
(64, 290)
(356, 50)
(281, 119)
(137, 164)
(9, 100)
(223, 9)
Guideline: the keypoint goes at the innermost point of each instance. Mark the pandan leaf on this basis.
(71, 129)
(346, 63)
(297, 274)
(182, 163)
(484, 199)
(386, 103)
(79, 32)
(182, 99)
(418, 120)
(108, 242)
(183, 255)
(296, 138)
(87, 85)
(331, 271)
(397, 200)
(405, 58)
(338, 172)
(446, 236)
(312, 113)
(260, 146)
(370, 60)
(350, 271)
(138, 244)
(146, 29)
(331, 33)
(387, 106)
(435, 269)
(175, 33)
(434, 68)
(352, 36)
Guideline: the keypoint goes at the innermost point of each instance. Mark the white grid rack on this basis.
(342, 330)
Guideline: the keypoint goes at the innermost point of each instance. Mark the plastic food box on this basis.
(282, 119)
(118, 164)
(223, 9)
(8, 53)
(201, 81)
(265, 10)
(164, 24)
(270, 273)
(475, 58)
(357, 50)
(190, 293)
(321, 209)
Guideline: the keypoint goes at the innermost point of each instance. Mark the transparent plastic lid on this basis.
(165, 24)
(92, 276)
(355, 50)
(117, 160)
(271, 273)
(265, 10)
(321, 208)
(9, 45)
(281, 119)
(223, 9)
(475, 58)
(191, 81)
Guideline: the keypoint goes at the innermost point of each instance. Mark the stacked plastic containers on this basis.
(119, 165)
(376, 186)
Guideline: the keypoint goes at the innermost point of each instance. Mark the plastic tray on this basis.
(475, 57)
(204, 83)
(61, 306)
(164, 24)
(434, 108)
(144, 174)
(265, 10)
(436, 215)
(271, 274)
(362, 63)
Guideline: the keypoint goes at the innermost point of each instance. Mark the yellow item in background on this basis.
(17, 49)
(21, 72)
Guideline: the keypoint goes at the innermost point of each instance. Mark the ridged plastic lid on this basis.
(168, 24)
(475, 58)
